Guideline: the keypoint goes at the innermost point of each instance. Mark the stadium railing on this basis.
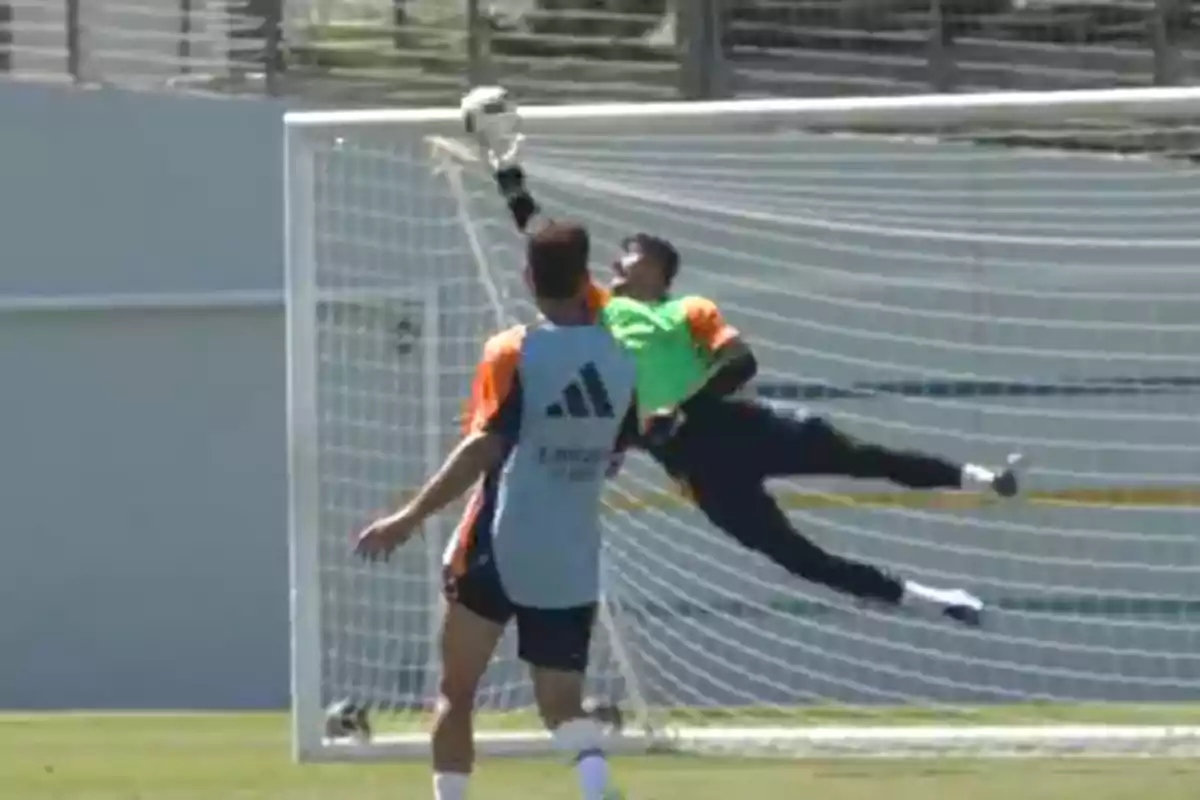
(421, 52)
(828, 47)
(138, 43)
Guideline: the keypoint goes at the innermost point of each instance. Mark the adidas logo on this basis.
(583, 398)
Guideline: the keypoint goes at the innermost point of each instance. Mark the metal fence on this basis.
(425, 51)
(134, 42)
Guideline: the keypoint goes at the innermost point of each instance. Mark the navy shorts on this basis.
(748, 441)
(549, 638)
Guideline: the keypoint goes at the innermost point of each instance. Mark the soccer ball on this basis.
(483, 105)
(346, 719)
(490, 117)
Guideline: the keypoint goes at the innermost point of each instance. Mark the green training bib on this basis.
(670, 366)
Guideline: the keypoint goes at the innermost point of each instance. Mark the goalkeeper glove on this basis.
(662, 425)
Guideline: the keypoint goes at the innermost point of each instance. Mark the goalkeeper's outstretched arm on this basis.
(733, 366)
(527, 216)
(490, 118)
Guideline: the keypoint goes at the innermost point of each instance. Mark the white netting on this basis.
(968, 294)
(402, 313)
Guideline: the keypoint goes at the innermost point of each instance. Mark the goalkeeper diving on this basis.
(690, 364)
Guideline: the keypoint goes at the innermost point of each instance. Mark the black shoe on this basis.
(1008, 482)
(968, 611)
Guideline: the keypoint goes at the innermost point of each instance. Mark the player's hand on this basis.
(385, 534)
(662, 425)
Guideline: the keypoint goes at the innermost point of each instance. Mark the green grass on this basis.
(843, 715)
(245, 757)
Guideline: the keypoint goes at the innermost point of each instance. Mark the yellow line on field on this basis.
(1097, 497)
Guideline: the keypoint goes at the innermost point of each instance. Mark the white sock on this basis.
(928, 594)
(593, 775)
(977, 477)
(450, 785)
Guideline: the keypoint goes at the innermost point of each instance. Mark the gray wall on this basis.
(143, 557)
(143, 562)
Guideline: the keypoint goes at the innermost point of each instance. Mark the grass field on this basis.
(1165, 714)
(246, 757)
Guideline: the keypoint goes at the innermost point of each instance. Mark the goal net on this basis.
(969, 275)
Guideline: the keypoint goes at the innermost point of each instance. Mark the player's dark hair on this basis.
(557, 256)
(657, 249)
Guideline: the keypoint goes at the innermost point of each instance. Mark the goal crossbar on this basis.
(907, 112)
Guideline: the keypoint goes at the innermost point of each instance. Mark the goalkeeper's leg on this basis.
(741, 506)
(785, 442)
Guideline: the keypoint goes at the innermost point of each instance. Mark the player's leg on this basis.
(475, 617)
(745, 510)
(788, 442)
(555, 643)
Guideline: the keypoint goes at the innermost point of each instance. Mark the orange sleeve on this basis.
(495, 377)
(708, 327)
(596, 297)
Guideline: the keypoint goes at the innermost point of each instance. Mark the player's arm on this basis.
(492, 425)
(629, 436)
(475, 455)
(733, 364)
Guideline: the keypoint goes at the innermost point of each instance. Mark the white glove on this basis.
(491, 118)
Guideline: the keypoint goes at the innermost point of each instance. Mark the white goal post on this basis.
(966, 274)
